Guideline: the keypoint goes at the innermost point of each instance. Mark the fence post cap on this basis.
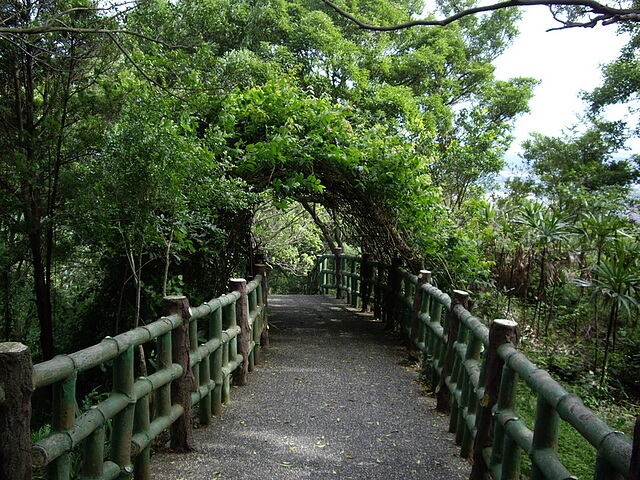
(12, 347)
(424, 277)
(503, 322)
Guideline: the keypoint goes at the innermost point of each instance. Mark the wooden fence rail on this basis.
(195, 352)
(475, 370)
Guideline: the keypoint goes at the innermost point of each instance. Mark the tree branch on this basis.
(42, 29)
(606, 15)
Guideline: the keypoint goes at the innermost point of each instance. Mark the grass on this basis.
(574, 451)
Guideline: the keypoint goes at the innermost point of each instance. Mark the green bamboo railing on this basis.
(138, 410)
(475, 370)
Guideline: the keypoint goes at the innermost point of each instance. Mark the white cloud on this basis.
(566, 61)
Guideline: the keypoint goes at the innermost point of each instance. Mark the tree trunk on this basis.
(43, 295)
(612, 321)
(323, 228)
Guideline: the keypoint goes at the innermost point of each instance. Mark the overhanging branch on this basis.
(42, 29)
(605, 14)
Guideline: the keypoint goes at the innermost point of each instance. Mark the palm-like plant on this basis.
(547, 229)
(617, 282)
(595, 231)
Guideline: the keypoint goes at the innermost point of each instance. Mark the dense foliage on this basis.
(152, 150)
(135, 163)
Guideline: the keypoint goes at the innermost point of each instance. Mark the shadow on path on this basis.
(333, 398)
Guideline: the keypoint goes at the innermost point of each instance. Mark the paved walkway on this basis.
(333, 398)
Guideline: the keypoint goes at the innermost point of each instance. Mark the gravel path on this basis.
(333, 398)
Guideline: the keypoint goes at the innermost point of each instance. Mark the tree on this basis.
(290, 240)
(617, 282)
(50, 84)
(621, 81)
(569, 13)
(570, 167)
(547, 229)
(473, 154)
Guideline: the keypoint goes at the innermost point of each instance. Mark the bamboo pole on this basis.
(338, 268)
(423, 277)
(264, 289)
(215, 331)
(123, 421)
(366, 274)
(442, 391)
(141, 424)
(244, 339)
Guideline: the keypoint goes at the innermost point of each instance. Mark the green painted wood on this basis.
(123, 422)
(142, 426)
(93, 454)
(215, 331)
(164, 361)
(64, 412)
(230, 351)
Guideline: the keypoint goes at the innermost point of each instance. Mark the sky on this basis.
(565, 61)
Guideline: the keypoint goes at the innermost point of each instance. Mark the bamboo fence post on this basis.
(123, 422)
(500, 332)
(254, 353)
(141, 423)
(316, 274)
(423, 277)
(378, 294)
(244, 338)
(353, 284)
(437, 345)
(164, 360)
(215, 331)
(204, 378)
(230, 350)
(456, 419)
(394, 284)
(181, 431)
(442, 391)
(16, 388)
(64, 413)
(264, 336)
(322, 275)
(469, 399)
(347, 286)
(93, 455)
(365, 281)
(338, 268)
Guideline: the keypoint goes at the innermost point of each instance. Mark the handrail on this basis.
(475, 370)
(197, 351)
